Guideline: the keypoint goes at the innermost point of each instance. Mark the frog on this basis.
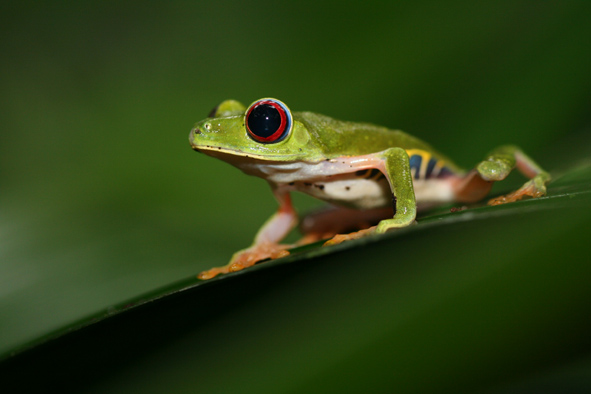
(374, 179)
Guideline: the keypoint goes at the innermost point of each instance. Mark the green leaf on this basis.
(462, 301)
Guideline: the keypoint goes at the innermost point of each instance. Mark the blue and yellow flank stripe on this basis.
(426, 166)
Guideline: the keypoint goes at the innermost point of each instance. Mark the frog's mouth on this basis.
(226, 154)
(216, 151)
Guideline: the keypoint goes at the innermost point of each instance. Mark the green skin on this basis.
(317, 138)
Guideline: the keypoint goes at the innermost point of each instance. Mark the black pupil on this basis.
(264, 120)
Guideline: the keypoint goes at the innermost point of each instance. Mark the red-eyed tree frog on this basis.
(369, 174)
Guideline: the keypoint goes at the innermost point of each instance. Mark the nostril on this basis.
(196, 131)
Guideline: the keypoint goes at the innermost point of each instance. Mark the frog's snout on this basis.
(195, 133)
(200, 129)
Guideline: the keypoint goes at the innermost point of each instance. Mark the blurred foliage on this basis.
(102, 200)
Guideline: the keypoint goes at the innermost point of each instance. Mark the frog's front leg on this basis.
(266, 244)
(394, 164)
(497, 166)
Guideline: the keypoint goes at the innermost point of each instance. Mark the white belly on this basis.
(433, 191)
(369, 193)
(355, 192)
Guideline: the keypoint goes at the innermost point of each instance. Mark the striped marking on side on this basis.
(424, 165)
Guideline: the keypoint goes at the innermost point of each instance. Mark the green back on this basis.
(341, 138)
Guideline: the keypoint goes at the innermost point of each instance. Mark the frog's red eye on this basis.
(268, 120)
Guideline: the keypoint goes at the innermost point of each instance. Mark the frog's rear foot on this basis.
(339, 238)
(534, 188)
(247, 258)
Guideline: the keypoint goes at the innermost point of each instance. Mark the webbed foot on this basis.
(533, 188)
(247, 258)
(382, 227)
(339, 238)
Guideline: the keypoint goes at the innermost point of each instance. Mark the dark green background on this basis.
(101, 197)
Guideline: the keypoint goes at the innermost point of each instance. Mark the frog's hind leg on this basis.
(500, 162)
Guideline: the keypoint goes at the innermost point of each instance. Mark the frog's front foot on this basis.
(247, 258)
(534, 188)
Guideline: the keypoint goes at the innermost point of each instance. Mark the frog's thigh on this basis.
(332, 220)
(396, 167)
(471, 187)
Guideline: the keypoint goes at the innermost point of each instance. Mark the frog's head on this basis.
(266, 130)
